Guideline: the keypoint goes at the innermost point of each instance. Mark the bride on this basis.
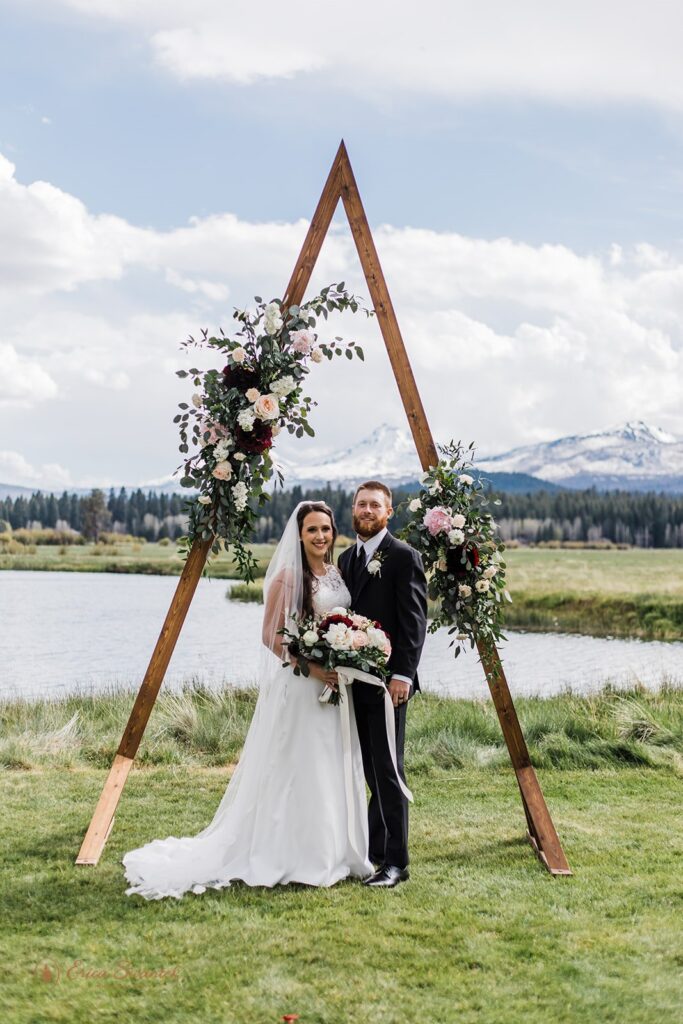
(285, 815)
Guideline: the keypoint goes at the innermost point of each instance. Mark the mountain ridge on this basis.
(633, 456)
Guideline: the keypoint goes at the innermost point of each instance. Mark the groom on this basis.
(387, 583)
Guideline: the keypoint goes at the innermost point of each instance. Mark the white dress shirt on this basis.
(369, 547)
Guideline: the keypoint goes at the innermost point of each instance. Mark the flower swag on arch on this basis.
(451, 527)
(236, 413)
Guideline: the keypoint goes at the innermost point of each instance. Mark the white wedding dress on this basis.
(285, 816)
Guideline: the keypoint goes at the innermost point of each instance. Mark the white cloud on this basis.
(15, 469)
(22, 380)
(509, 342)
(583, 51)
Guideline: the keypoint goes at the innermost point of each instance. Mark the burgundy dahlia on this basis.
(240, 377)
(331, 619)
(455, 563)
(256, 440)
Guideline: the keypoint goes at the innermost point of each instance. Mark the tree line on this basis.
(622, 517)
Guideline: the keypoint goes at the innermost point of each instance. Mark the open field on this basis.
(635, 592)
(480, 933)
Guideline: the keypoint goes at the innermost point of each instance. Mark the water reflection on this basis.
(65, 631)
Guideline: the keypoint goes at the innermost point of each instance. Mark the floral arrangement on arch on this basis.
(451, 527)
(236, 413)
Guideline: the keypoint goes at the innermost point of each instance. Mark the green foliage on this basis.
(462, 555)
(236, 414)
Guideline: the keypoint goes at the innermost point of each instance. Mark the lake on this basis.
(61, 632)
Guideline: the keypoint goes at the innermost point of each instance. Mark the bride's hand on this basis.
(325, 675)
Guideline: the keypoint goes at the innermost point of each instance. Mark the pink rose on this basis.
(359, 640)
(222, 470)
(266, 407)
(438, 520)
(302, 341)
(252, 394)
(216, 432)
(360, 621)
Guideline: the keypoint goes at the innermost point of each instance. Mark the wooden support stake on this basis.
(541, 831)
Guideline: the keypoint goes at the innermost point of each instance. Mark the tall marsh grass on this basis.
(199, 726)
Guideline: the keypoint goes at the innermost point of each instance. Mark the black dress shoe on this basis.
(387, 877)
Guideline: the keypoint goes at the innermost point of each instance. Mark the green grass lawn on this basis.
(481, 933)
(633, 592)
(140, 557)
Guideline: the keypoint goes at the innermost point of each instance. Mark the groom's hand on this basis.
(399, 691)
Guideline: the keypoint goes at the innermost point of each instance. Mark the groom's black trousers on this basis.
(388, 808)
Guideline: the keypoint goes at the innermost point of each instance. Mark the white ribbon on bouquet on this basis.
(346, 675)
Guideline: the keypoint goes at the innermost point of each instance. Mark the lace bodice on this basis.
(330, 591)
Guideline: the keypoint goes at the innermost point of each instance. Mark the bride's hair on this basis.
(308, 576)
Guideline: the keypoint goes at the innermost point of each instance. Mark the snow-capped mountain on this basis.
(634, 456)
(387, 453)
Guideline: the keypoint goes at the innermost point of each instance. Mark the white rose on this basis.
(490, 572)
(466, 479)
(252, 394)
(482, 586)
(415, 505)
(373, 566)
(435, 488)
(204, 499)
(458, 520)
(238, 354)
(266, 407)
(465, 590)
(246, 420)
(316, 355)
(310, 637)
(456, 537)
(240, 456)
(272, 321)
(221, 450)
(223, 471)
(240, 496)
(339, 610)
(197, 401)
(284, 386)
(339, 637)
(376, 637)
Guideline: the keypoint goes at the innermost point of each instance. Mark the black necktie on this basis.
(357, 564)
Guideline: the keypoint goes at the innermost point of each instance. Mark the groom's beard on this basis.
(367, 528)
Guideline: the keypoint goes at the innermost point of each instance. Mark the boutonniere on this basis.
(374, 566)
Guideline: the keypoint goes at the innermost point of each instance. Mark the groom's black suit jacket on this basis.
(397, 598)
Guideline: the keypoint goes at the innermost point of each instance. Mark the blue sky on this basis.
(523, 174)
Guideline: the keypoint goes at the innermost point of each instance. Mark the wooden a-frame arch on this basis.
(541, 832)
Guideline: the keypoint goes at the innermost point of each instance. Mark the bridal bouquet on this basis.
(451, 526)
(340, 638)
(237, 411)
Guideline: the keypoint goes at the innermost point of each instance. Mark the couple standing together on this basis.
(287, 814)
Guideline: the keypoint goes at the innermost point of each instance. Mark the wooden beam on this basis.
(103, 817)
(340, 183)
(386, 316)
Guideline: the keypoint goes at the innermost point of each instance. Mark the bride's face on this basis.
(316, 536)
